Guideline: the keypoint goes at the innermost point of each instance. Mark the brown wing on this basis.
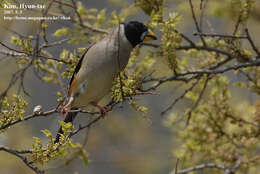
(78, 66)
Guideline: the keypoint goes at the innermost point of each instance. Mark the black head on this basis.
(136, 32)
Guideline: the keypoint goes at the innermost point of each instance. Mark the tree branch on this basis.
(34, 115)
(200, 167)
(196, 23)
(222, 36)
(251, 42)
(30, 54)
(198, 100)
(18, 153)
(180, 97)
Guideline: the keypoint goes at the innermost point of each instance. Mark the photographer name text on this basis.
(24, 6)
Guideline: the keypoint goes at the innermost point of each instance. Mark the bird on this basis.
(99, 65)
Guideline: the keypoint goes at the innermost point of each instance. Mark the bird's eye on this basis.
(143, 35)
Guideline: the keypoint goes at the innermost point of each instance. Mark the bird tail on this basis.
(69, 118)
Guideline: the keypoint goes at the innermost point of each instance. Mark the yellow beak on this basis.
(149, 36)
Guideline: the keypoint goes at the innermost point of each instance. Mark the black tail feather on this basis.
(69, 118)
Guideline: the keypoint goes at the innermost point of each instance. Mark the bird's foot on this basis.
(103, 111)
(64, 110)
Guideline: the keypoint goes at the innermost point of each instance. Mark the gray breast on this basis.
(102, 65)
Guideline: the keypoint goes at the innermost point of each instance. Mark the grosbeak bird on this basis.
(100, 64)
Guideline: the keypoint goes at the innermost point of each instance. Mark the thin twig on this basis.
(176, 166)
(14, 78)
(118, 63)
(251, 42)
(95, 120)
(196, 22)
(223, 70)
(24, 159)
(84, 25)
(64, 3)
(202, 9)
(242, 120)
(59, 42)
(189, 47)
(227, 170)
(185, 38)
(43, 29)
(237, 24)
(3, 148)
(59, 78)
(181, 76)
(180, 97)
(197, 101)
(220, 35)
(30, 54)
(200, 167)
(8, 29)
(28, 117)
